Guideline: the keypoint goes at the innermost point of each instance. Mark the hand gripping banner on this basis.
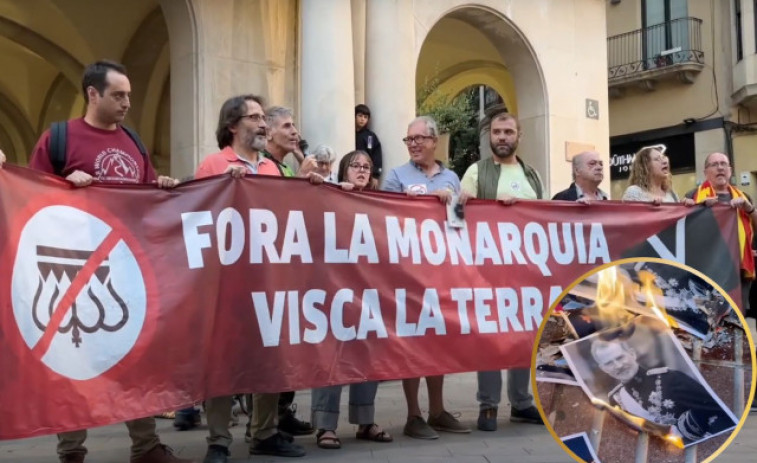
(120, 302)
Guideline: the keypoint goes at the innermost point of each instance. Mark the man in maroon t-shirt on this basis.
(99, 150)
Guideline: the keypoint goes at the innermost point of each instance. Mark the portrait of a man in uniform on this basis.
(643, 369)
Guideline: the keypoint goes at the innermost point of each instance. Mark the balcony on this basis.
(669, 50)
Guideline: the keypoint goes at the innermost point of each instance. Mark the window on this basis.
(737, 28)
(666, 31)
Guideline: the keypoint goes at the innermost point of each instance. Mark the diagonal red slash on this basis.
(65, 303)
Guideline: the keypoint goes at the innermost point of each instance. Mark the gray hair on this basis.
(324, 153)
(277, 112)
(576, 162)
(431, 126)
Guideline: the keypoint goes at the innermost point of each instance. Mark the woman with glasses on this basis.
(354, 174)
(650, 179)
(355, 171)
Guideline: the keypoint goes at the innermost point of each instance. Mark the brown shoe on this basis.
(160, 454)
(72, 458)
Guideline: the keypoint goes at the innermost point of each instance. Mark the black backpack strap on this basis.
(137, 141)
(58, 132)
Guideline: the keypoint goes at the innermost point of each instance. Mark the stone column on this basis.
(390, 74)
(327, 75)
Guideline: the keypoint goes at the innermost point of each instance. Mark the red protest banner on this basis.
(119, 302)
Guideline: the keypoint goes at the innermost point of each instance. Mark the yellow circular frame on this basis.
(618, 262)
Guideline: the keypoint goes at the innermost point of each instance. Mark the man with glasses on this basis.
(588, 173)
(717, 188)
(241, 135)
(423, 175)
(504, 176)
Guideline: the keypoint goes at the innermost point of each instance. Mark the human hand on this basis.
(688, 202)
(507, 200)
(584, 200)
(444, 195)
(464, 197)
(347, 186)
(80, 178)
(236, 171)
(167, 182)
(315, 178)
(2, 159)
(709, 202)
(742, 204)
(307, 166)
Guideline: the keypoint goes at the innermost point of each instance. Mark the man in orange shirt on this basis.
(241, 135)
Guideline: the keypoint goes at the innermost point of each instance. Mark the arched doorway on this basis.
(494, 53)
(44, 47)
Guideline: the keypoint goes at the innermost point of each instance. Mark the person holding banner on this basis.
(354, 174)
(99, 149)
(423, 174)
(504, 177)
(717, 188)
(588, 173)
(241, 135)
(650, 177)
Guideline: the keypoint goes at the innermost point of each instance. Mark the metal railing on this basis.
(656, 47)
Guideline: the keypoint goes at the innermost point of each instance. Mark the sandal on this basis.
(373, 432)
(327, 441)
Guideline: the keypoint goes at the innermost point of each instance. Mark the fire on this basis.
(666, 432)
(613, 291)
(653, 294)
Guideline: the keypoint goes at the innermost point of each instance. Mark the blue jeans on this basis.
(325, 405)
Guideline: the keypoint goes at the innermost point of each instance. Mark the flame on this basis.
(612, 297)
(665, 432)
(653, 294)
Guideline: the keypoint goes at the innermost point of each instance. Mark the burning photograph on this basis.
(641, 369)
(647, 356)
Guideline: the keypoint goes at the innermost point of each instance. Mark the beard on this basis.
(505, 150)
(255, 140)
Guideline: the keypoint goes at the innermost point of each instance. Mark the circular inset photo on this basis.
(643, 360)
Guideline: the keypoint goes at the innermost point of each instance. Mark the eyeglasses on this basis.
(723, 164)
(255, 118)
(360, 167)
(416, 139)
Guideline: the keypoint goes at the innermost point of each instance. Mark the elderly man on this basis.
(588, 173)
(660, 395)
(717, 188)
(283, 138)
(92, 141)
(425, 175)
(503, 176)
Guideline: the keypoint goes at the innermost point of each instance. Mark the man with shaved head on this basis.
(588, 173)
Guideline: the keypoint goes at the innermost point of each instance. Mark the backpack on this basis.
(58, 133)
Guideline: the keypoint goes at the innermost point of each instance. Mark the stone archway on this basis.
(44, 47)
(496, 53)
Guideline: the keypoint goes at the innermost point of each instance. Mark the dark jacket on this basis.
(570, 194)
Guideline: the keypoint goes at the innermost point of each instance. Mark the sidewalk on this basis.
(516, 443)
